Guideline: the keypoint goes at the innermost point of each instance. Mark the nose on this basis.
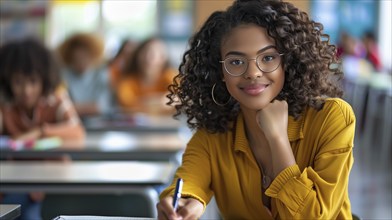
(253, 71)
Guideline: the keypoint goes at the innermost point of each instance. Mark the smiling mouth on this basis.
(254, 89)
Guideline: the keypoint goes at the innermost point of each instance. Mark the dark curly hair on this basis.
(310, 64)
(28, 57)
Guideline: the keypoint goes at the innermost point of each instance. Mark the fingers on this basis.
(188, 208)
(192, 209)
(165, 209)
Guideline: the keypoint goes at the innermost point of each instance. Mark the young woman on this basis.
(273, 139)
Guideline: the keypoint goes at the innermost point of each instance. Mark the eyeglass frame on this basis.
(257, 64)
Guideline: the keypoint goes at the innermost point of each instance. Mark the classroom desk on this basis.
(83, 176)
(94, 182)
(81, 217)
(111, 145)
(132, 122)
(9, 212)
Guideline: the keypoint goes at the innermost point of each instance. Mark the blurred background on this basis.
(360, 29)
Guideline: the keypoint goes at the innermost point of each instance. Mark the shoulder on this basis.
(218, 141)
(335, 122)
(127, 82)
(206, 138)
(169, 74)
(338, 108)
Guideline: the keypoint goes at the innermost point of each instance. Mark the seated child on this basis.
(33, 106)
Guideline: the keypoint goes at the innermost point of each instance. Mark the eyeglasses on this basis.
(237, 65)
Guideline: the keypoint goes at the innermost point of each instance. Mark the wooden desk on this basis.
(112, 146)
(9, 212)
(94, 177)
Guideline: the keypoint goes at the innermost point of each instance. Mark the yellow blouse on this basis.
(222, 165)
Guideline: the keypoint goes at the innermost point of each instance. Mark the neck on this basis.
(252, 129)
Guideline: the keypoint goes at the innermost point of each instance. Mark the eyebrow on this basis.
(243, 54)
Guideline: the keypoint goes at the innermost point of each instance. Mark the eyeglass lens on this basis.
(266, 62)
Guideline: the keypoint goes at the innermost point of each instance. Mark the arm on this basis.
(195, 171)
(85, 109)
(68, 124)
(105, 97)
(319, 191)
(273, 120)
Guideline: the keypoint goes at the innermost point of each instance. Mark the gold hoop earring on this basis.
(213, 98)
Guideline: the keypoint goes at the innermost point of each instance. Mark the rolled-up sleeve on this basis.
(195, 171)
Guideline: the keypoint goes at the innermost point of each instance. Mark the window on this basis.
(113, 20)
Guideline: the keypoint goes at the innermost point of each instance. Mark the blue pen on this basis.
(177, 193)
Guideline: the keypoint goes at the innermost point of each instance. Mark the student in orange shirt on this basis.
(148, 74)
(117, 64)
(273, 139)
(34, 106)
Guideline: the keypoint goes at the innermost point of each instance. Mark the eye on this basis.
(236, 61)
(269, 57)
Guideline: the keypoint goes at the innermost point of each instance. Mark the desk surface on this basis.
(112, 145)
(9, 212)
(62, 176)
(85, 217)
(132, 122)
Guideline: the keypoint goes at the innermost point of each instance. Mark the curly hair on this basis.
(89, 42)
(28, 57)
(310, 64)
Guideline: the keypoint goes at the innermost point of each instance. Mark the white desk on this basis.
(132, 122)
(85, 217)
(9, 212)
(78, 176)
(112, 146)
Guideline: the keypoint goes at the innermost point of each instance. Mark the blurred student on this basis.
(371, 49)
(116, 66)
(147, 76)
(86, 81)
(353, 64)
(34, 106)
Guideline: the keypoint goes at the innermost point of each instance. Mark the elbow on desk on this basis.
(74, 132)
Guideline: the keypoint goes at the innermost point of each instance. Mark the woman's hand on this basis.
(33, 134)
(273, 119)
(188, 208)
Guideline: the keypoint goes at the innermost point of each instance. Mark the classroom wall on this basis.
(203, 9)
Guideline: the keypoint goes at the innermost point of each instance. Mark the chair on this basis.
(137, 203)
(386, 142)
(355, 93)
(377, 126)
(355, 217)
